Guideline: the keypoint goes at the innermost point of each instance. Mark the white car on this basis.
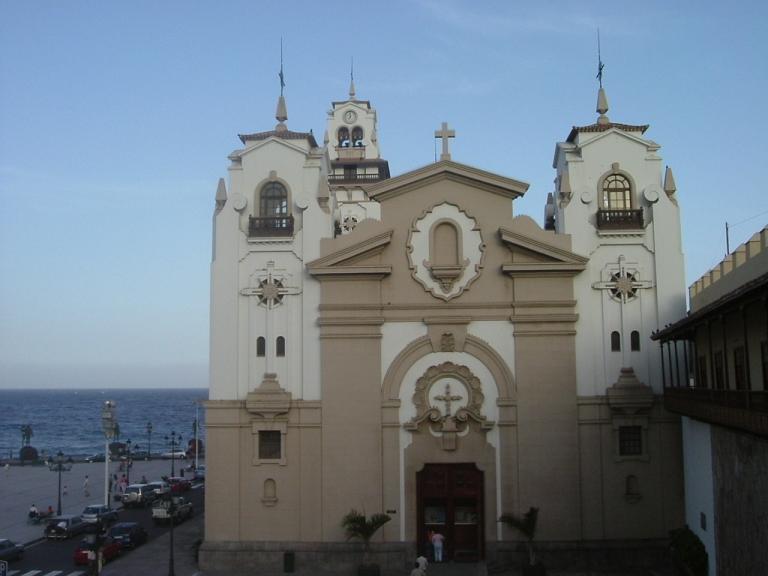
(99, 513)
(176, 454)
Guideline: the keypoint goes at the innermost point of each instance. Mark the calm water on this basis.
(70, 420)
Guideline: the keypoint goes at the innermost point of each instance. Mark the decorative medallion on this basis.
(447, 397)
(349, 223)
(623, 281)
(270, 285)
(445, 250)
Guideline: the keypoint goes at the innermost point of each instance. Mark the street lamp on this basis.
(128, 462)
(173, 441)
(149, 440)
(108, 426)
(59, 467)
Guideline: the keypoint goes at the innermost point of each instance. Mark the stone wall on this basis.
(741, 501)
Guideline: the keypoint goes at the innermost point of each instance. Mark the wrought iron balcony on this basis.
(745, 410)
(618, 219)
(270, 226)
(354, 177)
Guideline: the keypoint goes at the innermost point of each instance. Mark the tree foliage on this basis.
(526, 525)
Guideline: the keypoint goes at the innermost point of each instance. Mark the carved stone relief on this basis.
(447, 397)
(445, 250)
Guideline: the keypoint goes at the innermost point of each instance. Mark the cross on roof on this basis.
(445, 133)
(448, 398)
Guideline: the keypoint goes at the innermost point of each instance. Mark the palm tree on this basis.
(526, 525)
(358, 525)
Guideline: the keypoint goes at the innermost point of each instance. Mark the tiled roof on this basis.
(284, 134)
(607, 126)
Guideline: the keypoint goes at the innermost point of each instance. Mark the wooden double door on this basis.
(450, 501)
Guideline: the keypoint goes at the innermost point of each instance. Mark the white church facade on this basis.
(410, 345)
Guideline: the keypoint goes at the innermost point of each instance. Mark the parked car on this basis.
(99, 513)
(160, 488)
(175, 509)
(179, 484)
(138, 495)
(95, 458)
(9, 550)
(110, 548)
(200, 474)
(65, 526)
(128, 534)
(176, 454)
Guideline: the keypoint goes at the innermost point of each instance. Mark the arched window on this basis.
(261, 346)
(357, 137)
(634, 341)
(615, 342)
(617, 193)
(344, 137)
(273, 200)
(280, 346)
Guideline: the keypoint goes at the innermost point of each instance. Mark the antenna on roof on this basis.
(600, 64)
(282, 111)
(282, 78)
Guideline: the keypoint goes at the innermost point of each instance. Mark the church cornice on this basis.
(447, 170)
(338, 262)
(557, 261)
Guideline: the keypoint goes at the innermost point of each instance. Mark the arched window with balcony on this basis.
(617, 192)
(273, 218)
(357, 137)
(343, 135)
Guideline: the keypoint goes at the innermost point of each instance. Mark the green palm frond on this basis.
(525, 524)
(358, 525)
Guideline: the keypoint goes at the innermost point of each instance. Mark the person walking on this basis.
(437, 543)
(86, 487)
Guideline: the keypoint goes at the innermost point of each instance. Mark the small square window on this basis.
(630, 441)
(270, 445)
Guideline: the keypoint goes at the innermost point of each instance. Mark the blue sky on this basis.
(116, 119)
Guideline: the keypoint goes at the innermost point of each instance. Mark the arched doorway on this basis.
(450, 501)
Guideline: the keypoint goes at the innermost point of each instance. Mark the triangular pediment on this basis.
(447, 170)
(649, 144)
(540, 252)
(355, 254)
(290, 145)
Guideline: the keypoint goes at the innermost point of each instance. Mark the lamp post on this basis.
(149, 440)
(128, 462)
(108, 426)
(173, 442)
(59, 467)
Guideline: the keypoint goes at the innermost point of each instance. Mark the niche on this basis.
(445, 262)
(269, 495)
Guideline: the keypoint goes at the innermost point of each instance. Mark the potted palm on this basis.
(526, 525)
(358, 525)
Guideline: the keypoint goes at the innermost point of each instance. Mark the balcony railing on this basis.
(618, 219)
(270, 226)
(346, 178)
(746, 410)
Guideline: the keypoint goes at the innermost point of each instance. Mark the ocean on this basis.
(70, 420)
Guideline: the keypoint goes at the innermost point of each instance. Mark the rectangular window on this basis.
(269, 445)
(630, 440)
(702, 383)
(740, 368)
(719, 376)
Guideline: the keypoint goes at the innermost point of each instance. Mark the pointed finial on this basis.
(669, 182)
(325, 138)
(282, 111)
(352, 78)
(221, 194)
(602, 99)
(565, 186)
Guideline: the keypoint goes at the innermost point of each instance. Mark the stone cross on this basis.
(448, 398)
(445, 133)
(270, 291)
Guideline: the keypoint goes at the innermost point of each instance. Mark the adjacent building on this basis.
(716, 376)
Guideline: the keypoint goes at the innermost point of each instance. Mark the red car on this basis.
(179, 484)
(91, 543)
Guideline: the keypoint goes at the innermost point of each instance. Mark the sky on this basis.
(116, 119)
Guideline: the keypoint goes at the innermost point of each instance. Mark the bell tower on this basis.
(353, 150)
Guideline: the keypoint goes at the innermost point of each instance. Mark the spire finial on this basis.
(282, 111)
(602, 99)
(352, 78)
